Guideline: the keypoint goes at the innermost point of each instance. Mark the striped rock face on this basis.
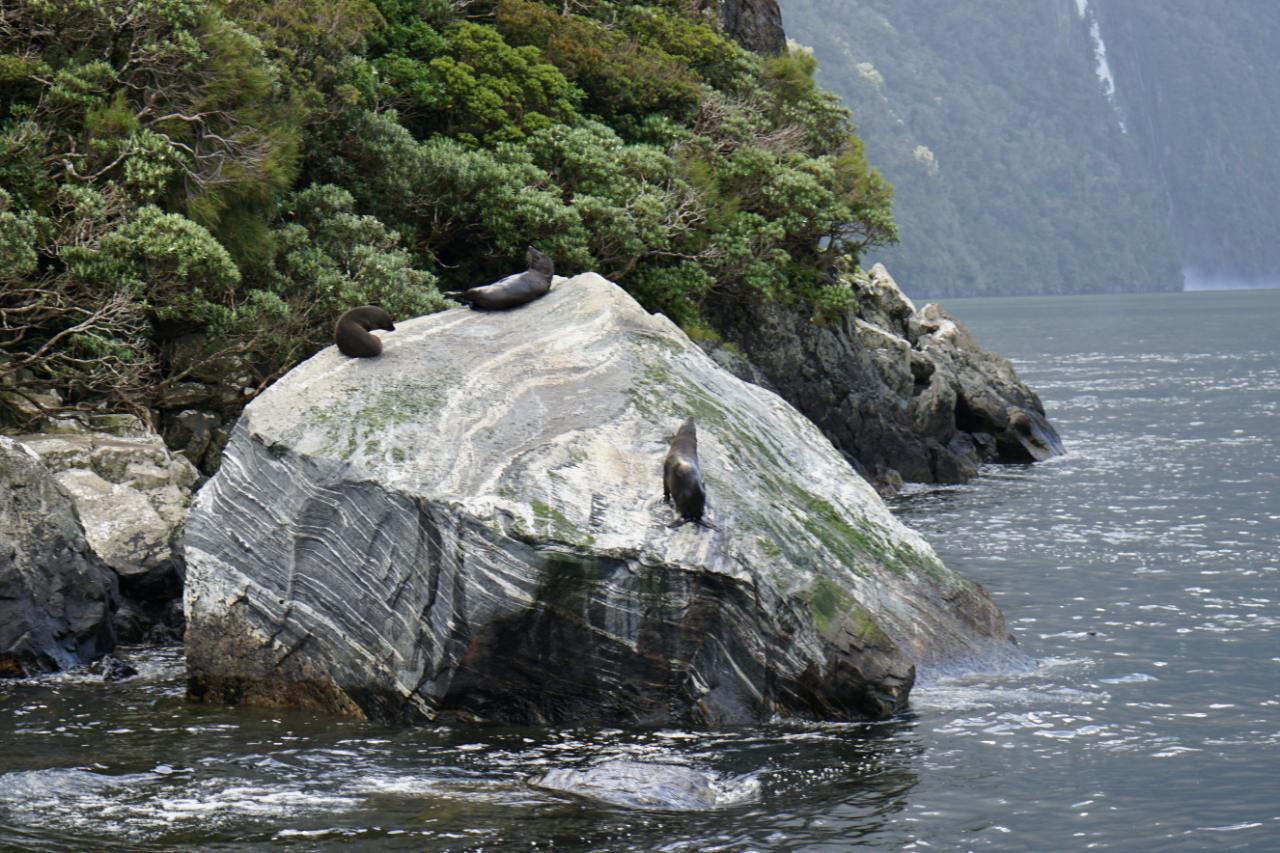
(472, 526)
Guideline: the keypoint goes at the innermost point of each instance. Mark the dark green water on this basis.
(1142, 571)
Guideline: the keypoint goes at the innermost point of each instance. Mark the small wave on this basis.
(972, 697)
(1131, 678)
(141, 804)
(40, 787)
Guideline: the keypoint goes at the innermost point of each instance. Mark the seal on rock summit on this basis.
(351, 332)
(514, 290)
(681, 475)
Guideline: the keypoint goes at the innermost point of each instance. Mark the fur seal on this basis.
(681, 475)
(514, 290)
(351, 332)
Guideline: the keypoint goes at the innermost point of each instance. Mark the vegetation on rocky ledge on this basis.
(189, 187)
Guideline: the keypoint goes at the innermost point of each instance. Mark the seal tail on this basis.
(457, 296)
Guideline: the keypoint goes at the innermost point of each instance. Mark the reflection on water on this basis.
(1141, 572)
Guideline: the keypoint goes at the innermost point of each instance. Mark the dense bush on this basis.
(237, 174)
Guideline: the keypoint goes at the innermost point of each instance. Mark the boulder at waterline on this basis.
(56, 595)
(473, 525)
(904, 393)
(131, 493)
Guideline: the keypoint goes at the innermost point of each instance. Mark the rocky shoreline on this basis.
(906, 394)
(90, 545)
(940, 404)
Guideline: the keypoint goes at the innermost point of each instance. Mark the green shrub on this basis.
(246, 171)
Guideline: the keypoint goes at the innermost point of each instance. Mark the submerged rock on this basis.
(904, 393)
(650, 785)
(472, 525)
(111, 668)
(56, 595)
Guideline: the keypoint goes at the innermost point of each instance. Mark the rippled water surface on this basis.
(1142, 571)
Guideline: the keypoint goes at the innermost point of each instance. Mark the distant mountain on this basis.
(1061, 147)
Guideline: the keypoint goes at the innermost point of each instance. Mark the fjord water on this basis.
(1141, 574)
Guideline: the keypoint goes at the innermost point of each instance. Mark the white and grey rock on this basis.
(472, 525)
(131, 493)
(56, 596)
(650, 785)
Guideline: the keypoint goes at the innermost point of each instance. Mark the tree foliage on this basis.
(243, 171)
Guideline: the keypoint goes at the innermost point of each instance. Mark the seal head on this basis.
(682, 476)
(514, 290)
(351, 332)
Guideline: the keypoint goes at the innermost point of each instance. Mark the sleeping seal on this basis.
(514, 290)
(351, 332)
(681, 475)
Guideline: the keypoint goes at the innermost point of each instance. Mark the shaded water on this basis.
(1142, 571)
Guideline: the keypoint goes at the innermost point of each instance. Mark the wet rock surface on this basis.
(471, 526)
(56, 595)
(904, 393)
(649, 786)
(111, 668)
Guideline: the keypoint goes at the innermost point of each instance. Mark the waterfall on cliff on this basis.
(1102, 68)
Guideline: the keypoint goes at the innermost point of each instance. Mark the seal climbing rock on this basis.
(681, 475)
(351, 332)
(514, 290)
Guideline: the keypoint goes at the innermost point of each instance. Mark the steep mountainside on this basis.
(1199, 86)
(1062, 147)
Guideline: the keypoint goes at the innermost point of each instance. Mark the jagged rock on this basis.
(472, 525)
(37, 410)
(122, 526)
(115, 423)
(132, 623)
(111, 668)
(754, 24)
(824, 372)
(56, 595)
(889, 353)
(881, 301)
(213, 455)
(192, 433)
(132, 495)
(903, 393)
(990, 399)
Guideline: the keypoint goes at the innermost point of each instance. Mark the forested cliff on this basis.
(194, 191)
(1068, 146)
